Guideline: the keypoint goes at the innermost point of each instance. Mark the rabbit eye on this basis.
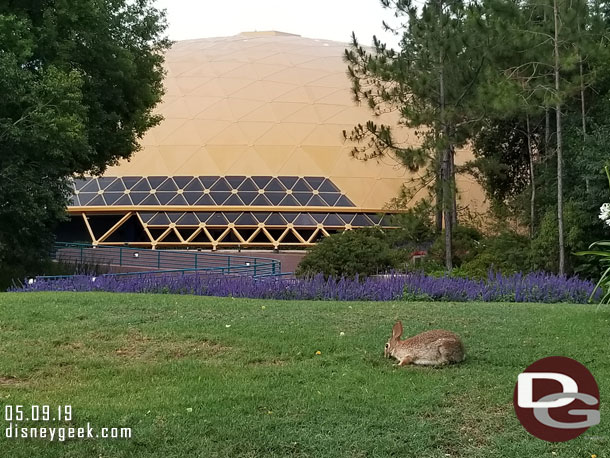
(387, 345)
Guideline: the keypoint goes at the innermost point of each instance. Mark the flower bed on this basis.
(531, 287)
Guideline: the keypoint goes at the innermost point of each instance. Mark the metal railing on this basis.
(161, 261)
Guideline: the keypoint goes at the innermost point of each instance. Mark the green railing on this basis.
(139, 261)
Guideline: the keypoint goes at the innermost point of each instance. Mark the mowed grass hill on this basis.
(223, 377)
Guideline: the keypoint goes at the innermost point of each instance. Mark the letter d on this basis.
(9, 431)
(525, 390)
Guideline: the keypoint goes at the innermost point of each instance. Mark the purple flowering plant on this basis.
(530, 287)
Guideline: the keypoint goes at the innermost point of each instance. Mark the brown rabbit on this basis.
(430, 348)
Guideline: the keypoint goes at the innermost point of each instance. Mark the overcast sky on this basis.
(330, 19)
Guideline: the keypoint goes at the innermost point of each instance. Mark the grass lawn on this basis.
(210, 377)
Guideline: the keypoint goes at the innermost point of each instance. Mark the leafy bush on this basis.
(507, 252)
(544, 249)
(466, 241)
(359, 252)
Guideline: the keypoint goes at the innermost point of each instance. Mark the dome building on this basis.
(250, 153)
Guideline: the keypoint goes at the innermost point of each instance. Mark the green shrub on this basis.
(507, 252)
(465, 244)
(360, 252)
(544, 253)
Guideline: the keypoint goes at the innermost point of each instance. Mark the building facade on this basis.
(250, 153)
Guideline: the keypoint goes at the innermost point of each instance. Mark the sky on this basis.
(328, 19)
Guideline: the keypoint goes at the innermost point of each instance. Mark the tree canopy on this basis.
(79, 83)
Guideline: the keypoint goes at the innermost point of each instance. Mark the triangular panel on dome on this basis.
(261, 216)
(264, 113)
(160, 219)
(142, 185)
(275, 219)
(188, 219)
(220, 197)
(151, 199)
(306, 115)
(167, 185)
(199, 104)
(194, 186)
(333, 220)
(275, 185)
(232, 216)
(248, 196)
(116, 186)
(275, 197)
(138, 196)
(221, 184)
(203, 216)
(362, 221)
(130, 182)
(209, 180)
(263, 90)
(192, 197)
(205, 200)
(289, 201)
(248, 185)
(124, 200)
(233, 200)
(182, 181)
(304, 219)
(289, 181)
(224, 156)
(112, 197)
(344, 201)
(246, 219)
(146, 216)
(91, 185)
(217, 219)
(302, 197)
(179, 199)
(299, 164)
(235, 180)
(260, 201)
(104, 182)
(156, 181)
(165, 197)
(261, 181)
(98, 200)
(317, 201)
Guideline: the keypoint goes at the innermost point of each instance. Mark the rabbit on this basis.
(430, 348)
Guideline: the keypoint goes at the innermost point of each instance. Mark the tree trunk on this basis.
(447, 208)
(439, 195)
(559, 145)
(532, 178)
(446, 151)
(454, 214)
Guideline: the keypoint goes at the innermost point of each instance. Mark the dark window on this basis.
(314, 182)
(328, 186)
(141, 185)
(167, 185)
(247, 196)
(221, 185)
(288, 182)
(275, 185)
(301, 185)
(194, 185)
(317, 201)
(260, 201)
(130, 182)
(182, 182)
(302, 197)
(235, 181)
(261, 182)
(155, 182)
(248, 185)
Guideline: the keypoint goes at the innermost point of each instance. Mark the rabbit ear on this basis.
(397, 330)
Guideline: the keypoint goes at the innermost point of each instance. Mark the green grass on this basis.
(257, 389)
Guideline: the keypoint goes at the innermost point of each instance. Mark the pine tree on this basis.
(431, 82)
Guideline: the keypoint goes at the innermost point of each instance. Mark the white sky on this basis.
(329, 19)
